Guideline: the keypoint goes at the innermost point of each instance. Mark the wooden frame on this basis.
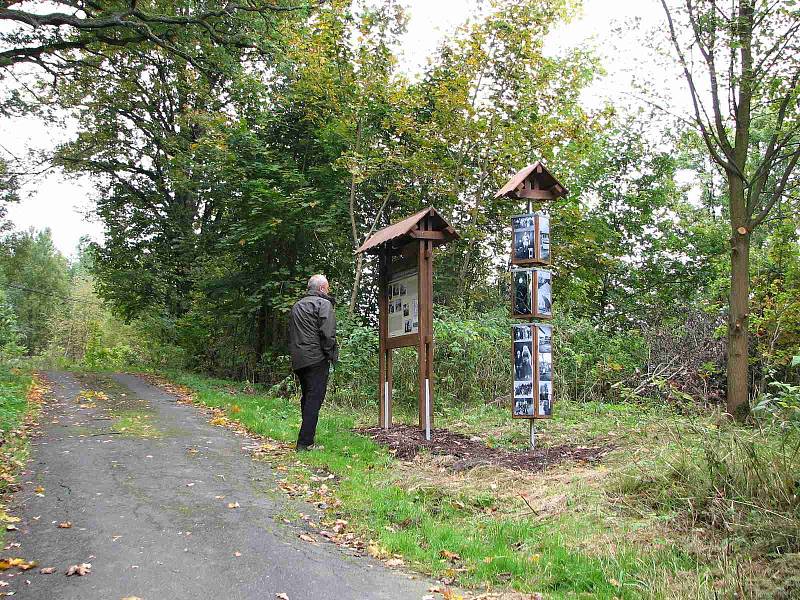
(412, 240)
(537, 258)
(535, 374)
(535, 313)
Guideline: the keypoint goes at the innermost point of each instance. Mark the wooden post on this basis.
(425, 348)
(384, 365)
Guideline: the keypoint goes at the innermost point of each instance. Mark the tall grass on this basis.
(743, 482)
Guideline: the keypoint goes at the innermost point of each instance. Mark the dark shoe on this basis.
(302, 448)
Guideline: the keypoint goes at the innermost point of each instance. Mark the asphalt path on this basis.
(149, 510)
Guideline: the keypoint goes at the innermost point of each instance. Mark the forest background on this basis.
(232, 162)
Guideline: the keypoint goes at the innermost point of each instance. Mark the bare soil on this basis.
(406, 441)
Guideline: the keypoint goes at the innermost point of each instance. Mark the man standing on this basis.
(312, 344)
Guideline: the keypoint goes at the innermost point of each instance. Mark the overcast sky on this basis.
(62, 204)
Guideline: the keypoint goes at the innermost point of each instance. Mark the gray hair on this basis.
(316, 282)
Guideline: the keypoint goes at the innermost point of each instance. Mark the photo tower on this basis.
(532, 293)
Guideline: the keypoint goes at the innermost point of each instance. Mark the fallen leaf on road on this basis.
(307, 538)
(65, 525)
(81, 569)
(237, 554)
(20, 563)
(39, 490)
(394, 562)
(219, 421)
(47, 570)
(282, 596)
(233, 505)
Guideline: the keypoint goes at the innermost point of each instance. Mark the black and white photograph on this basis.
(522, 333)
(545, 367)
(524, 245)
(523, 407)
(405, 310)
(397, 304)
(523, 388)
(545, 398)
(396, 289)
(544, 238)
(523, 283)
(523, 361)
(391, 308)
(544, 338)
(407, 327)
(402, 290)
(544, 293)
(522, 222)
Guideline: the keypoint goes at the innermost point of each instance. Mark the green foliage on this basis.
(10, 338)
(14, 386)
(36, 281)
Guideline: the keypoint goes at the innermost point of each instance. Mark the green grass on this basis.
(595, 548)
(14, 387)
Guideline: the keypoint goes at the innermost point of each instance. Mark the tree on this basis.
(37, 283)
(62, 31)
(744, 91)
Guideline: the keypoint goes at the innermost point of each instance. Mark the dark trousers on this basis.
(314, 383)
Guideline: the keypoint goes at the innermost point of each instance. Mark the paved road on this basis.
(145, 530)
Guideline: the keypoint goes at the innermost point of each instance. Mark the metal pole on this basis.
(427, 410)
(386, 404)
(533, 359)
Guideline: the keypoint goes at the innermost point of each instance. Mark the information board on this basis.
(402, 293)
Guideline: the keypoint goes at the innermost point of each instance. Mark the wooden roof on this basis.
(534, 182)
(407, 229)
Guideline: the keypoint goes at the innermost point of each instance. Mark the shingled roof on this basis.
(534, 182)
(402, 231)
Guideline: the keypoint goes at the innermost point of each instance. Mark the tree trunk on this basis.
(738, 397)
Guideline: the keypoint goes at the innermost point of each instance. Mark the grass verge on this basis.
(475, 529)
(20, 395)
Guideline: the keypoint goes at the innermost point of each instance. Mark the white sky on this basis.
(61, 203)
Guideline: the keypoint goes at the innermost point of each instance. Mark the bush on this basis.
(473, 360)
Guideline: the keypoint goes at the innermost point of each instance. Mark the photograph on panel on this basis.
(522, 222)
(523, 407)
(524, 246)
(523, 361)
(523, 284)
(544, 238)
(544, 338)
(544, 293)
(523, 333)
(524, 237)
(545, 367)
(545, 398)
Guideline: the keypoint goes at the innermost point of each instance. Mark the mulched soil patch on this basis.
(406, 442)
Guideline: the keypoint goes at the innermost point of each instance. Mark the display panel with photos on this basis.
(403, 303)
(533, 371)
(532, 293)
(531, 239)
(524, 372)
